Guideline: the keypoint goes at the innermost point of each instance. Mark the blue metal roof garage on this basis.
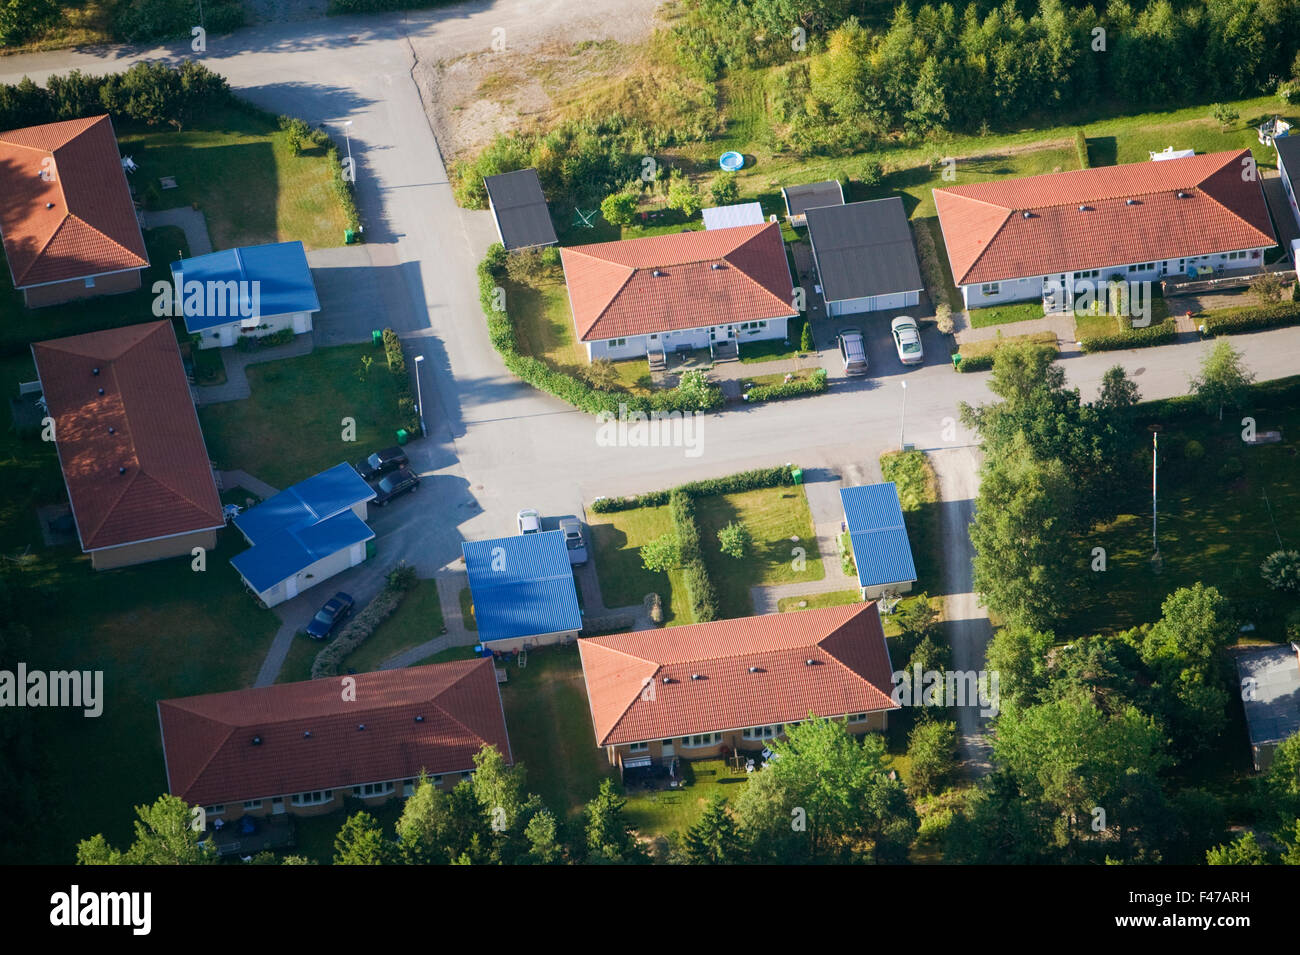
(523, 590)
(305, 534)
(874, 519)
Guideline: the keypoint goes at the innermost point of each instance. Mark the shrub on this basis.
(619, 208)
(732, 484)
(683, 196)
(873, 174)
(1268, 286)
(531, 267)
(735, 540)
(806, 342)
(140, 20)
(296, 133)
(1231, 468)
(1081, 149)
(847, 563)
(1295, 291)
(1228, 321)
(402, 577)
(699, 587)
(1281, 570)
(932, 755)
(662, 554)
(981, 362)
(943, 318)
(1157, 333)
(812, 385)
(1193, 450)
(654, 608)
(724, 191)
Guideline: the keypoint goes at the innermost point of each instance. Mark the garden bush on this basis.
(1081, 149)
(812, 385)
(134, 21)
(1157, 333)
(1229, 321)
(699, 586)
(732, 484)
(1281, 570)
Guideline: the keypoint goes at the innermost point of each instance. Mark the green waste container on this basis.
(376, 337)
(797, 475)
(956, 359)
(402, 436)
(370, 548)
(349, 237)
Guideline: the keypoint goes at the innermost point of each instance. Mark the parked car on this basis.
(330, 616)
(574, 541)
(853, 351)
(528, 520)
(907, 340)
(381, 462)
(394, 484)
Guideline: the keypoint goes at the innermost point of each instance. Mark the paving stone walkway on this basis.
(236, 385)
(190, 221)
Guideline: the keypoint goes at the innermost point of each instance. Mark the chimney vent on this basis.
(257, 741)
(697, 676)
(121, 470)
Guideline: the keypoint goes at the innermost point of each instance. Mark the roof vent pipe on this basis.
(121, 470)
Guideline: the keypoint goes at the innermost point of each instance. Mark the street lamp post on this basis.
(902, 414)
(1155, 470)
(419, 394)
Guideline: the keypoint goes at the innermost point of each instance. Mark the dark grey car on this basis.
(574, 540)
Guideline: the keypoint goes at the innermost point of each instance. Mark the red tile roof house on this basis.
(302, 748)
(715, 289)
(128, 438)
(1007, 239)
(710, 689)
(66, 213)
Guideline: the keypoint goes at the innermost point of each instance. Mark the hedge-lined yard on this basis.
(1250, 318)
(978, 356)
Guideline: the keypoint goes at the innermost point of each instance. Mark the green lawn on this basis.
(20, 326)
(291, 427)
(771, 349)
(755, 381)
(1214, 526)
(314, 835)
(466, 597)
(1005, 314)
(544, 324)
(835, 598)
(238, 167)
(659, 813)
(1091, 324)
(989, 345)
(617, 539)
(551, 731)
(417, 620)
(302, 654)
(781, 525)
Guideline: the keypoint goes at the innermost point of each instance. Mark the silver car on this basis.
(529, 521)
(853, 351)
(907, 340)
(574, 540)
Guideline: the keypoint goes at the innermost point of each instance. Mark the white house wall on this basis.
(872, 303)
(1287, 175)
(1024, 289)
(638, 346)
(225, 336)
(309, 577)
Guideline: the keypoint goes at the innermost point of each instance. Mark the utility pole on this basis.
(902, 414)
(1155, 470)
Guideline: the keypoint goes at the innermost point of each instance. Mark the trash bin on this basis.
(349, 237)
(956, 359)
(376, 337)
(797, 475)
(370, 548)
(402, 436)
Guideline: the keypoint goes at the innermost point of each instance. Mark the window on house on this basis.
(466, 775)
(370, 790)
(216, 810)
(90, 282)
(314, 798)
(857, 717)
(653, 337)
(638, 747)
(762, 732)
(252, 804)
(436, 780)
(408, 787)
(702, 739)
(992, 288)
(617, 342)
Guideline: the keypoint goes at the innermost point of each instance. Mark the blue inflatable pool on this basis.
(731, 161)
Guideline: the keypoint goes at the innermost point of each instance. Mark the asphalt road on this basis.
(495, 444)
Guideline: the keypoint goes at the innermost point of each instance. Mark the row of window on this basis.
(321, 796)
(993, 288)
(750, 733)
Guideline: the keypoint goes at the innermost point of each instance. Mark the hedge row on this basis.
(1081, 149)
(406, 409)
(699, 586)
(575, 391)
(1157, 333)
(1229, 321)
(731, 484)
(975, 363)
(330, 659)
(1279, 393)
(813, 385)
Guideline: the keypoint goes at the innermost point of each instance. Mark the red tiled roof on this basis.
(614, 292)
(144, 421)
(211, 757)
(630, 701)
(990, 240)
(77, 222)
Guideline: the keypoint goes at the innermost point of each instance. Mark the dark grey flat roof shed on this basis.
(519, 207)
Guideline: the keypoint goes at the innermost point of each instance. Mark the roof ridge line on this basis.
(100, 232)
(50, 238)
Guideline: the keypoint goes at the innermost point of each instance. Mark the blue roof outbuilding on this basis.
(522, 586)
(301, 525)
(284, 282)
(878, 534)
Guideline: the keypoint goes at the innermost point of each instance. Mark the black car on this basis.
(329, 616)
(381, 462)
(399, 482)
